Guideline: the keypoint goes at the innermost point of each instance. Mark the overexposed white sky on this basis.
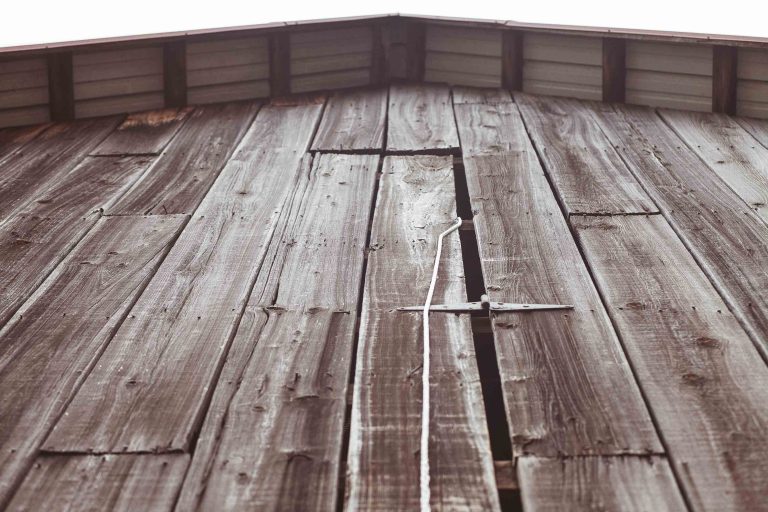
(48, 21)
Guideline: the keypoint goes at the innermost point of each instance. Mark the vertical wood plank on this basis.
(724, 79)
(175, 73)
(420, 120)
(512, 60)
(379, 64)
(614, 70)
(61, 87)
(353, 122)
(416, 50)
(279, 64)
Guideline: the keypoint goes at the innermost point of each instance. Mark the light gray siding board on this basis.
(459, 78)
(470, 41)
(226, 75)
(752, 89)
(24, 97)
(334, 80)
(119, 87)
(255, 45)
(466, 56)
(240, 57)
(675, 101)
(559, 48)
(110, 105)
(334, 47)
(24, 116)
(24, 92)
(330, 63)
(228, 92)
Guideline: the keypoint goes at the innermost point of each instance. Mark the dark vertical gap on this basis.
(510, 500)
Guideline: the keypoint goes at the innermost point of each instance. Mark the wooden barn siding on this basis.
(118, 81)
(654, 76)
(559, 65)
(463, 56)
(331, 59)
(752, 88)
(23, 92)
(227, 70)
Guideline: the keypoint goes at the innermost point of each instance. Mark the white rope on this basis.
(424, 450)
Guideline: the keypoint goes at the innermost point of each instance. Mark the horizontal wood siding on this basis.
(227, 70)
(331, 59)
(752, 88)
(118, 81)
(463, 56)
(563, 66)
(23, 92)
(670, 75)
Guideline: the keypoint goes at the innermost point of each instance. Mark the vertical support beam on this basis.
(724, 79)
(614, 70)
(61, 87)
(512, 60)
(279, 64)
(378, 55)
(175, 73)
(416, 50)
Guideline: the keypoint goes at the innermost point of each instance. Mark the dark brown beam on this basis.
(416, 50)
(279, 64)
(175, 73)
(724, 79)
(614, 70)
(512, 60)
(61, 87)
(378, 55)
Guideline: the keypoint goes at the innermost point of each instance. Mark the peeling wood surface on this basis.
(586, 484)
(416, 203)
(144, 133)
(353, 121)
(588, 174)
(57, 336)
(102, 482)
(273, 435)
(702, 377)
(421, 120)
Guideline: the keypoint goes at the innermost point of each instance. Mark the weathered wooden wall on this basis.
(23, 92)
(560, 65)
(752, 89)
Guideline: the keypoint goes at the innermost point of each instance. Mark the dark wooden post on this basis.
(175, 73)
(614, 70)
(61, 87)
(724, 79)
(512, 60)
(378, 55)
(416, 50)
(279, 64)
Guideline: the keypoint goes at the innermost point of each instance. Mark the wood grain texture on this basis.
(703, 379)
(58, 334)
(183, 175)
(102, 482)
(13, 139)
(152, 385)
(45, 228)
(145, 133)
(588, 174)
(415, 204)
(731, 152)
(642, 484)
(725, 236)
(47, 158)
(420, 119)
(353, 121)
(484, 129)
(480, 95)
(272, 438)
(758, 128)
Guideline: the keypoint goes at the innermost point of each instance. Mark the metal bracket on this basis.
(485, 305)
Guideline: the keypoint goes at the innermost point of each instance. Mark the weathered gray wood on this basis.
(758, 128)
(567, 385)
(353, 122)
(478, 95)
(153, 383)
(56, 337)
(13, 139)
(421, 119)
(484, 128)
(102, 482)
(415, 204)
(641, 484)
(588, 174)
(725, 236)
(47, 158)
(181, 177)
(145, 133)
(277, 414)
(728, 150)
(45, 228)
(701, 376)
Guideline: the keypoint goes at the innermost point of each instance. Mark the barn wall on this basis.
(752, 83)
(463, 56)
(24, 92)
(560, 65)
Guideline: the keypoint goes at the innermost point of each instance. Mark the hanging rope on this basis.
(424, 450)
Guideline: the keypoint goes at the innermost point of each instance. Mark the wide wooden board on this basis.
(641, 484)
(484, 129)
(353, 121)
(700, 374)
(184, 174)
(732, 153)
(726, 237)
(143, 133)
(152, 385)
(112, 483)
(272, 438)
(13, 139)
(588, 174)
(420, 120)
(758, 128)
(416, 203)
(487, 96)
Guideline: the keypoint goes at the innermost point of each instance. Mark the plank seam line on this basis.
(613, 214)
